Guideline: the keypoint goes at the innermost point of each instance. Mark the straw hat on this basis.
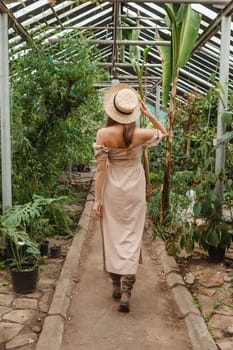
(121, 103)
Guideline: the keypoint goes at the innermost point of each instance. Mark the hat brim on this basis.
(111, 110)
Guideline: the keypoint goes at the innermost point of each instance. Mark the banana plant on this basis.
(184, 24)
(138, 59)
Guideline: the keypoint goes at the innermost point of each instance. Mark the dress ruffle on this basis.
(100, 152)
(154, 140)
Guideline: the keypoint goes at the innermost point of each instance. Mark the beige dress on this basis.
(124, 205)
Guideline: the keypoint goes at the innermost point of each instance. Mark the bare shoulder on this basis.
(142, 135)
(100, 136)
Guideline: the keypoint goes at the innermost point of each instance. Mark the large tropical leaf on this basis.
(134, 51)
(189, 31)
(184, 24)
(166, 54)
(170, 13)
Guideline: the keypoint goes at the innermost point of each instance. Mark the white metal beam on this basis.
(223, 99)
(5, 114)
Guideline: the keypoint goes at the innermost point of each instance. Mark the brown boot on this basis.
(116, 282)
(126, 287)
(124, 305)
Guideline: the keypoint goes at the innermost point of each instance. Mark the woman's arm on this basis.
(153, 120)
(99, 177)
(99, 183)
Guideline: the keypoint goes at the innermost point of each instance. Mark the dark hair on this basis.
(128, 130)
(110, 122)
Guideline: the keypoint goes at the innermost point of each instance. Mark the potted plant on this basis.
(23, 258)
(23, 251)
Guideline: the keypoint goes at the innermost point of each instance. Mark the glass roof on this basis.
(56, 18)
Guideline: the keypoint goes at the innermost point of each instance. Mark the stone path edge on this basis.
(199, 335)
(53, 326)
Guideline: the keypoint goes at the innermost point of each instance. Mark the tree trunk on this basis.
(189, 132)
(165, 205)
(145, 151)
(147, 173)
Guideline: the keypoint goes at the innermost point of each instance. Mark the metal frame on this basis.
(61, 11)
(104, 20)
(5, 114)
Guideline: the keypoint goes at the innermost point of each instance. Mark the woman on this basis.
(120, 185)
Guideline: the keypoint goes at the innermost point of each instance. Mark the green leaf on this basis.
(203, 148)
(189, 245)
(171, 14)
(197, 209)
(210, 178)
(171, 248)
(166, 56)
(196, 233)
(189, 31)
(220, 87)
(227, 118)
(225, 139)
(182, 241)
(226, 236)
(213, 238)
(180, 11)
(146, 52)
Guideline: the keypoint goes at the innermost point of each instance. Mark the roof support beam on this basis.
(13, 22)
(146, 65)
(132, 42)
(209, 2)
(116, 9)
(213, 27)
(95, 28)
(55, 14)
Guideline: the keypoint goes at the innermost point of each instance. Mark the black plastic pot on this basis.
(24, 281)
(81, 168)
(44, 248)
(55, 251)
(216, 254)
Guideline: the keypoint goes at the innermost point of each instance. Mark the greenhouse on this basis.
(87, 204)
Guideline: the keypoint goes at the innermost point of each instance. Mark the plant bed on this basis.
(211, 285)
(35, 305)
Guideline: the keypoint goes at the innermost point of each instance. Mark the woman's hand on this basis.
(98, 209)
(155, 122)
